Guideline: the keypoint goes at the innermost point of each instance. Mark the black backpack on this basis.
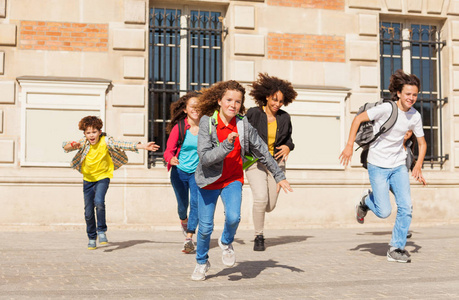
(365, 134)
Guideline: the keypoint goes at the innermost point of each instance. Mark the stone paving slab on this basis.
(304, 264)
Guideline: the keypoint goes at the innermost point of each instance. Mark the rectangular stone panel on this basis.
(7, 35)
(128, 39)
(369, 77)
(6, 151)
(415, 5)
(456, 157)
(456, 80)
(369, 4)
(453, 8)
(1, 121)
(249, 44)
(244, 71)
(394, 5)
(359, 99)
(368, 25)
(363, 50)
(2, 62)
(134, 11)
(7, 91)
(2, 8)
(434, 6)
(129, 95)
(134, 67)
(244, 17)
(133, 124)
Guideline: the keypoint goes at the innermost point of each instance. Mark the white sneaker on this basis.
(200, 271)
(228, 256)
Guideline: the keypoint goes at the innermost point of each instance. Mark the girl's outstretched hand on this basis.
(232, 137)
(284, 185)
(346, 155)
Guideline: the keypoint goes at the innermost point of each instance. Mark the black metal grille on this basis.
(201, 32)
(421, 44)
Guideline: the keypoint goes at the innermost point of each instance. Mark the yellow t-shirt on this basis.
(97, 164)
(272, 128)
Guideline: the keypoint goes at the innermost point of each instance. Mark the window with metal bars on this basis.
(185, 54)
(416, 48)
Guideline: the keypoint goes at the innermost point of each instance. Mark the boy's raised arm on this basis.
(150, 146)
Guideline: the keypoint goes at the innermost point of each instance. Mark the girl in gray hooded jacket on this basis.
(225, 140)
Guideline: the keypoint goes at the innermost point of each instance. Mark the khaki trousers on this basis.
(264, 191)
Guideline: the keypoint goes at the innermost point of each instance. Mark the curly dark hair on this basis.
(208, 101)
(90, 121)
(399, 79)
(266, 86)
(177, 109)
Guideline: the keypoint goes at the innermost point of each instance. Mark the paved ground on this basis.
(300, 264)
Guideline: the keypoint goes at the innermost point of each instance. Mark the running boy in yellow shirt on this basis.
(97, 157)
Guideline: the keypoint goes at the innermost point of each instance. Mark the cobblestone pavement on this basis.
(304, 264)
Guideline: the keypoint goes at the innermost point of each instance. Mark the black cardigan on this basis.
(258, 119)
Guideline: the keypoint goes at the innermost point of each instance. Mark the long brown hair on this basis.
(177, 109)
(208, 101)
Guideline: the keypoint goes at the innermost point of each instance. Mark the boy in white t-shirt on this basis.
(386, 160)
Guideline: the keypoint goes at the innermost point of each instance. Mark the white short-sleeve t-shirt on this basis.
(387, 151)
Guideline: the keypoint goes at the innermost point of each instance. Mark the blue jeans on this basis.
(398, 182)
(94, 197)
(182, 182)
(207, 201)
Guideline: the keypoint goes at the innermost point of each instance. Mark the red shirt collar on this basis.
(231, 124)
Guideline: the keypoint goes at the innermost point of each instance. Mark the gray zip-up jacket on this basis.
(212, 153)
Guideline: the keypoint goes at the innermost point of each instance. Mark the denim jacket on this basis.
(212, 153)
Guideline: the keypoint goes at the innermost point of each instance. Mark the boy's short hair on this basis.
(90, 121)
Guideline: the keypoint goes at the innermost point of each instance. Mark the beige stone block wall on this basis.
(1, 121)
(368, 25)
(134, 11)
(244, 17)
(2, 62)
(7, 35)
(7, 151)
(128, 39)
(133, 124)
(453, 8)
(394, 5)
(7, 90)
(249, 44)
(369, 77)
(369, 4)
(414, 6)
(129, 95)
(244, 71)
(134, 67)
(434, 6)
(2, 8)
(363, 50)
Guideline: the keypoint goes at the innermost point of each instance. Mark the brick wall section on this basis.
(322, 48)
(317, 4)
(63, 36)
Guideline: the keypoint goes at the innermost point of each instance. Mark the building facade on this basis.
(127, 60)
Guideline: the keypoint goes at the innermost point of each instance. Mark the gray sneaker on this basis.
(398, 255)
(228, 256)
(92, 245)
(200, 271)
(103, 238)
(188, 246)
(361, 209)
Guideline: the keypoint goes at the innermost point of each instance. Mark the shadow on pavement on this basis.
(384, 233)
(251, 269)
(380, 249)
(269, 242)
(127, 244)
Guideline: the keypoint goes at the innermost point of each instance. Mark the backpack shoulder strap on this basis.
(182, 131)
(391, 120)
